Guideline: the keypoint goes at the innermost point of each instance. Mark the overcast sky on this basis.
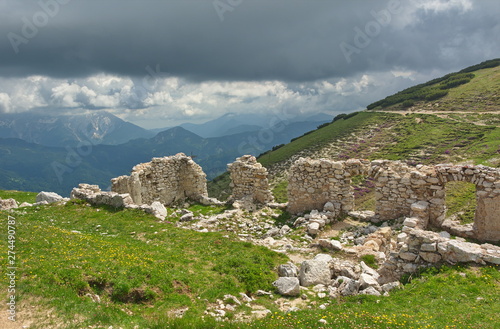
(160, 63)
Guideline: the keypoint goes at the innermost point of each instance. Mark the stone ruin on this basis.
(249, 181)
(400, 191)
(322, 184)
(93, 195)
(313, 183)
(168, 180)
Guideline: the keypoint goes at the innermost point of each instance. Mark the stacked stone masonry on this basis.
(417, 249)
(249, 180)
(168, 180)
(400, 190)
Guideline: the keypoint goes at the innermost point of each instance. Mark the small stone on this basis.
(334, 245)
(313, 228)
(187, 217)
(288, 270)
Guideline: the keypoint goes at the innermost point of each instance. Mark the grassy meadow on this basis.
(145, 270)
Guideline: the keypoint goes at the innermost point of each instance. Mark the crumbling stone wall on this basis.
(249, 180)
(313, 183)
(93, 195)
(400, 190)
(418, 248)
(487, 180)
(167, 180)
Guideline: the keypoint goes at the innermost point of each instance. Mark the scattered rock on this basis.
(390, 286)
(233, 298)
(314, 272)
(8, 204)
(370, 291)
(159, 210)
(366, 280)
(187, 217)
(287, 286)
(313, 228)
(50, 197)
(263, 293)
(332, 244)
(347, 286)
(288, 270)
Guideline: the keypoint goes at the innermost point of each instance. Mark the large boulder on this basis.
(287, 286)
(49, 197)
(313, 272)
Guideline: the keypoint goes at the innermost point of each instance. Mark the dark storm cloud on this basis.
(256, 40)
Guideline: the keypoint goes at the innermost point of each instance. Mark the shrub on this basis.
(454, 83)
(436, 95)
(408, 103)
(277, 147)
(338, 117)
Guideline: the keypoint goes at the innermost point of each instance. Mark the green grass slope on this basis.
(141, 268)
(146, 271)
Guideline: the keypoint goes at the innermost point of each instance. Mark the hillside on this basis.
(473, 89)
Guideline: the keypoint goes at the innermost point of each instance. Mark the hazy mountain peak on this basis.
(98, 127)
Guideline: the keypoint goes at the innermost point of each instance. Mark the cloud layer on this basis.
(174, 60)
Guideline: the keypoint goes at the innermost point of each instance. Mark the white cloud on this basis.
(444, 5)
(403, 74)
(65, 94)
(5, 105)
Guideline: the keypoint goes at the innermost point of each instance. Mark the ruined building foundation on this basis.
(168, 180)
(400, 190)
(249, 180)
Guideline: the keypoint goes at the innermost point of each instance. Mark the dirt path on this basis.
(444, 114)
(5, 323)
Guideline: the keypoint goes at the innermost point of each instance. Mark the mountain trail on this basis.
(447, 115)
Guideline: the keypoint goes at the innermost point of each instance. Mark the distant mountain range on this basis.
(54, 153)
(232, 123)
(98, 127)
